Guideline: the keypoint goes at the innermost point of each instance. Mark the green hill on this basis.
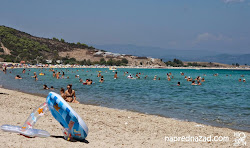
(28, 48)
(16, 46)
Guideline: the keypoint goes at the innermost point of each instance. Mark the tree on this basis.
(102, 61)
(55, 39)
(62, 40)
(110, 62)
(125, 61)
(88, 62)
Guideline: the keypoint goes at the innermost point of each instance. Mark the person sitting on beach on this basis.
(63, 94)
(115, 76)
(70, 94)
(35, 76)
(45, 86)
(193, 83)
(179, 84)
(18, 77)
(102, 79)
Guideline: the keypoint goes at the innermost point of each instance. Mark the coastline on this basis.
(125, 67)
(121, 67)
(107, 127)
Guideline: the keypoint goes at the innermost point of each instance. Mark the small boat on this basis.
(112, 68)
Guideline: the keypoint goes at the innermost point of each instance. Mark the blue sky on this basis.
(215, 25)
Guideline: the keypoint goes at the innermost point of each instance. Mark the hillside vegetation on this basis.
(19, 46)
(29, 48)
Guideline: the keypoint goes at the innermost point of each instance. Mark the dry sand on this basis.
(107, 127)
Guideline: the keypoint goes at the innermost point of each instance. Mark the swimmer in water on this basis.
(155, 77)
(99, 74)
(45, 86)
(115, 76)
(102, 79)
(244, 80)
(18, 77)
(179, 84)
(62, 74)
(23, 71)
(203, 80)
(89, 82)
(54, 73)
(70, 94)
(51, 88)
(239, 80)
(57, 75)
(199, 83)
(35, 76)
(80, 80)
(193, 83)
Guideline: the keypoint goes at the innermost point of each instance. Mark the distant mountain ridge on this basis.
(184, 55)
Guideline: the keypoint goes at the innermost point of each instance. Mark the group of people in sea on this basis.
(70, 96)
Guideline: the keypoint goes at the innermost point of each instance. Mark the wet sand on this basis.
(107, 127)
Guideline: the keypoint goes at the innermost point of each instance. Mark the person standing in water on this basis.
(70, 94)
(99, 74)
(102, 79)
(115, 76)
(35, 76)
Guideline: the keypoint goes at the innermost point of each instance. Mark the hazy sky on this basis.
(171, 24)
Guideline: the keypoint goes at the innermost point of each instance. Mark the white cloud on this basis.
(231, 1)
(203, 37)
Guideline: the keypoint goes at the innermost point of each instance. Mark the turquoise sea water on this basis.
(220, 101)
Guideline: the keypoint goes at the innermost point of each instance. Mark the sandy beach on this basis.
(107, 127)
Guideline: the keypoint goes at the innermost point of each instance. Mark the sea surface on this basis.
(220, 101)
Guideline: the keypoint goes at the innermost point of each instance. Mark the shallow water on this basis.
(220, 101)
